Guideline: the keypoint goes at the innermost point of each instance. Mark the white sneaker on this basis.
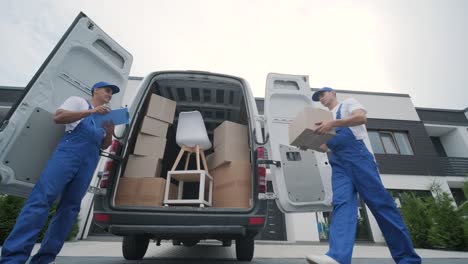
(323, 259)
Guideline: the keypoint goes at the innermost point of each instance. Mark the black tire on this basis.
(176, 242)
(227, 242)
(245, 248)
(134, 247)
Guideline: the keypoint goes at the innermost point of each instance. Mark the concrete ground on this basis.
(110, 252)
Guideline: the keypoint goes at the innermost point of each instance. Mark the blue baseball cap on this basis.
(316, 95)
(115, 88)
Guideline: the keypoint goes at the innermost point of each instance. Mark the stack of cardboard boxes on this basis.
(230, 167)
(142, 184)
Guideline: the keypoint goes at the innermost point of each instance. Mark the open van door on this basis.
(28, 134)
(301, 179)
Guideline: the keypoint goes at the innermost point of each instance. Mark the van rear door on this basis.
(301, 179)
(28, 135)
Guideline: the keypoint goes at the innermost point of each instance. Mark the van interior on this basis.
(217, 98)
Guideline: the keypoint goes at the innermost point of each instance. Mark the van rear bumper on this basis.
(123, 230)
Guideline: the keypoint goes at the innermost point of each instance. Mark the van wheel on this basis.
(245, 248)
(176, 242)
(134, 247)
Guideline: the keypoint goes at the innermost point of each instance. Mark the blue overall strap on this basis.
(89, 105)
(90, 116)
(338, 113)
(343, 137)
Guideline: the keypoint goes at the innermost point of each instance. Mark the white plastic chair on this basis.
(192, 137)
(191, 131)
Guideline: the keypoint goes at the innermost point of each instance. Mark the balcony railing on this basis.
(454, 166)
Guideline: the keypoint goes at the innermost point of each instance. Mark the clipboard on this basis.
(117, 117)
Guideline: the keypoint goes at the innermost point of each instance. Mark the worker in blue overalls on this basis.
(354, 171)
(67, 174)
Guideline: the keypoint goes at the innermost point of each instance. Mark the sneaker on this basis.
(324, 259)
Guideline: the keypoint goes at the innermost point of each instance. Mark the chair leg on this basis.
(201, 190)
(181, 152)
(204, 161)
(187, 160)
(198, 157)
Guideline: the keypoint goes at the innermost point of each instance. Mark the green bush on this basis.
(463, 209)
(362, 232)
(434, 222)
(447, 228)
(10, 207)
(417, 217)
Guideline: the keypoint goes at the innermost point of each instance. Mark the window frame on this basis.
(392, 134)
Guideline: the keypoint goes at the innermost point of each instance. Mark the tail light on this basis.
(261, 171)
(98, 217)
(256, 220)
(109, 165)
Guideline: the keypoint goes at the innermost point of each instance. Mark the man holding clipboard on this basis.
(67, 174)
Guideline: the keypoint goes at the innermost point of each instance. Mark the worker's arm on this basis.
(66, 117)
(358, 117)
(107, 141)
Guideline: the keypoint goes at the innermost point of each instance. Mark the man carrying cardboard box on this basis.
(354, 170)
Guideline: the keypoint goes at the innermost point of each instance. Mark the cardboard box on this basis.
(161, 108)
(230, 133)
(226, 153)
(301, 129)
(142, 191)
(143, 167)
(232, 186)
(147, 145)
(154, 127)
(150, 191)
(126, 191)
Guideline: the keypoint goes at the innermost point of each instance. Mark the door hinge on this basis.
(96, 190)
(269, 162)
(267, 196)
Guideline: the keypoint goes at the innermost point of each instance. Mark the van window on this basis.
(9, 96)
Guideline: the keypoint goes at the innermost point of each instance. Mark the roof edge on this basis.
(441, 109)
(369, 93)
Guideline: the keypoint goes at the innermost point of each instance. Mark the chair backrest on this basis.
(191, 130)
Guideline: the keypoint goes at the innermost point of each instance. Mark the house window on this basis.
(390, 142)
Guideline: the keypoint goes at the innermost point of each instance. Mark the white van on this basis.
(86, 54)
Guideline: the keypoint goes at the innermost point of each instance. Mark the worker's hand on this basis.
(102, 109)
(323, 127)
(109, 127)
(323, 148)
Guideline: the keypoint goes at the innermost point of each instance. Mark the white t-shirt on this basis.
(74, 103)
(348, 106)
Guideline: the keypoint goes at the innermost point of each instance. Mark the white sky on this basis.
(415, 47)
